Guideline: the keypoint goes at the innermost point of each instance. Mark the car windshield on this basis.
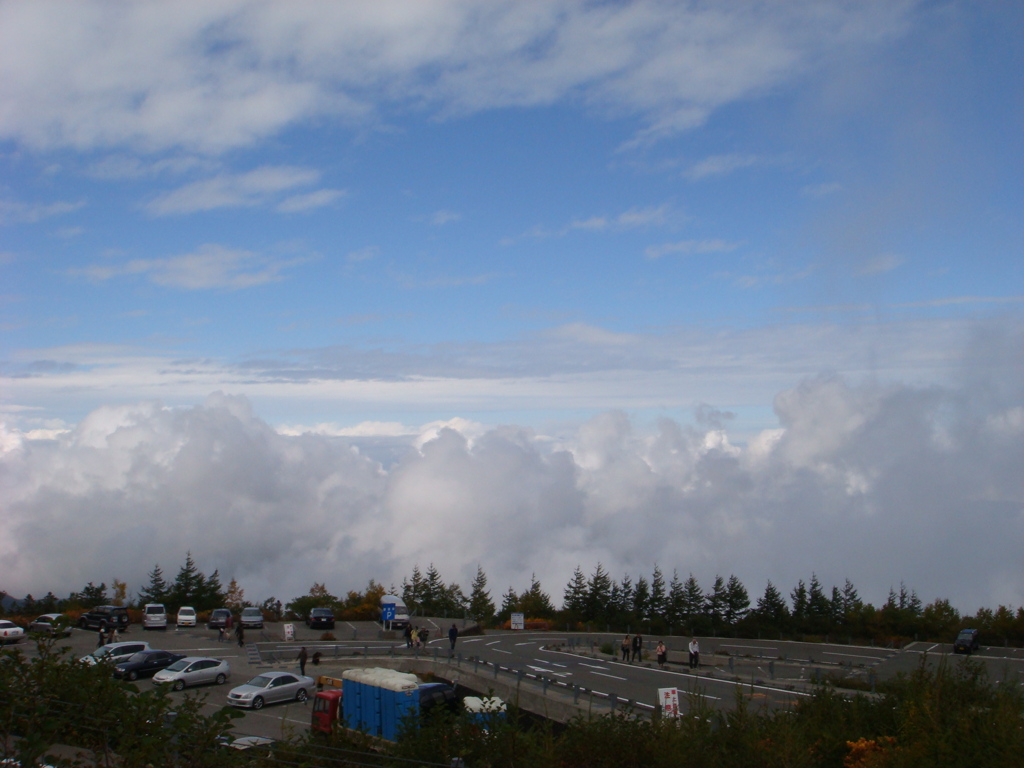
(178, 666)
(260, 682)
(966, 634)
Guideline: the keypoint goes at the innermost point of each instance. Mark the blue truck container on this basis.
(377, 700)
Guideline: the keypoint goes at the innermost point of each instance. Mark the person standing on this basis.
(638, 647)
(694, 653)
(303, 656)
(407, 634)
(102, 638)
(453, 635)
(626, 643)
(415, 637)
(240, 634)
(662, 652)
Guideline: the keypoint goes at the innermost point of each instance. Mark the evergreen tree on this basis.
(771, 608)
(481, 607)
(509, 605)
(452, 601)
(737, 601)
(535, 602)
(714, 602)
(92, 595)
(599, 590)
(157, 590)
(851, 600)
(575, 598)
(693, 600)
(819, 609)
(799, 612)
(187, 584)
(211, 593)
(620, 601)
(658, 595)
(433, 590)
(675, 606)
(641, 600)
(412, 590)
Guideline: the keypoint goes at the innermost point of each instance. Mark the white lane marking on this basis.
(501, 650)
(592, 666)
(473, 640)
(602, 674)
(855, 655)
(494, 642)
(563, 666)
(531, 642)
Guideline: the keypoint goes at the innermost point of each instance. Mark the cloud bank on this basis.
(875, 483)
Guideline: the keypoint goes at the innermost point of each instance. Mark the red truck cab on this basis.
(326, 706)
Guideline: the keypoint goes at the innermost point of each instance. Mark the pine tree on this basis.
(412, 590)
(641, 608)
(481, 607)
(509, 605)
(714, 601)
(658, 595)
(187, 584)
(675, 605)
(799, 612)
(771, 607)
(737, 601)
(819, 609)
(535, 602)
(599, 589)
(156, 591)
(211, 593)
(575, 598)
(433, 591)
(620, 601)
(693, 600)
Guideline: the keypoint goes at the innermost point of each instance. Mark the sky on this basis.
(325, 291)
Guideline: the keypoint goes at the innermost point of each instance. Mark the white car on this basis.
(10, 632)
(271, 687)
(194, 670)
(186, 617)
(115, 652)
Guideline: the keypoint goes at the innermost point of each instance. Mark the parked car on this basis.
(220, 617)
(194, 670)
(320, 618)
(272, 687)
(186, 617)
(145, 664)
(252, 618)
(115, 652)
(53, 624)
(105, 617)
(154, 616)
(10, 632)
(966, 641)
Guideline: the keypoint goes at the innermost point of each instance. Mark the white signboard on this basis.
(669, 698)
(518, 621)
(289, 631)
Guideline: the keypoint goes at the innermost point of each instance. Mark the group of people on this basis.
(632, 650)
(415, 636)
(107, 636)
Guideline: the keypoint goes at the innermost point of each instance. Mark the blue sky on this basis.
(370, 222)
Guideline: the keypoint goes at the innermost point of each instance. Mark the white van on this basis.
(186, 616)
(154, 616)
(393, 613)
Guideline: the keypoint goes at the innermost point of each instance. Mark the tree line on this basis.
(657, 604)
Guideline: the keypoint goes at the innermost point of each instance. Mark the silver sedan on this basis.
(271, 687)
(194, 670)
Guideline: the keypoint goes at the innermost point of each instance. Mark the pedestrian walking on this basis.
(694, 654)
(221, 634)
(303, 656)
(101, 638)
(638, 647)
(662, 652)
(240, 634)
(415, 637)
(626, 643)
(453, 635)
(407, 634)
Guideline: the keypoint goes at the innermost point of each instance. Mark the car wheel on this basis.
(133, 675)
(257, 703)
(179, 685)
(301, 695)
(221, 679)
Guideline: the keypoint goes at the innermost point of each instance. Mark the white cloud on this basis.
(310, 200)
(853, 485)
(208, 267)
(721, 165)
(880, 264)
(440, 218)
(226, 190)
(689, 247)
(211, 78)
(17, 212)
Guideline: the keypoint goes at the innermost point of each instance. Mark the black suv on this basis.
(105, 617)
(320, 618)
(966, 641)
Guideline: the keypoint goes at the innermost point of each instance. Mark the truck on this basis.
(393, 613)
(327, 704)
